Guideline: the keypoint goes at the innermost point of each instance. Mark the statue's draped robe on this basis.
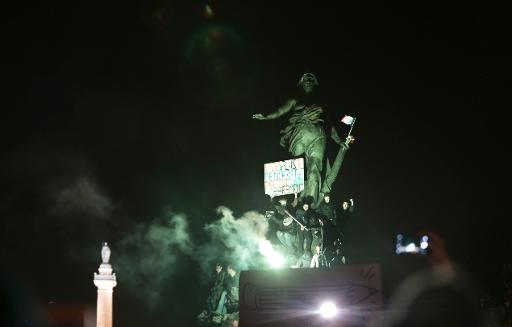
(305, 135)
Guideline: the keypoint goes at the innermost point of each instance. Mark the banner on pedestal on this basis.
(284, 177)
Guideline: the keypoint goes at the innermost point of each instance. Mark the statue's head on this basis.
(308, 82)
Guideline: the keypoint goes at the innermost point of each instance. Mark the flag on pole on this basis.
(349, 120)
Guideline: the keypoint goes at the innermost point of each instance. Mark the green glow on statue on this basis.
(305, 135)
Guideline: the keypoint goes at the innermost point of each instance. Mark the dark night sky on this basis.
(150, 102)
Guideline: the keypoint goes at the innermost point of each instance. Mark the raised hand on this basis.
(258, 117)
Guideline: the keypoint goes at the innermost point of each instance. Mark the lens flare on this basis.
(328, 310)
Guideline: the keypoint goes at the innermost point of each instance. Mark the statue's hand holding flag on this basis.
(349, 120)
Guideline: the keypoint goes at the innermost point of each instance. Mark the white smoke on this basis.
(82, 196)
(149, 256)
(232, 240)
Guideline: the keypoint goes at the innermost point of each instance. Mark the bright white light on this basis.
(328, 310)
(411, 247)
(274, 258)
(424, 245)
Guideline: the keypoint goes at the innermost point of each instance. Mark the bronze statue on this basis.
(305, 135)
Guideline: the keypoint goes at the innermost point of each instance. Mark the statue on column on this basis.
(305, 135)
(105, 253)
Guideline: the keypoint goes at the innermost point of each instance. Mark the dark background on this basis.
(151, 100)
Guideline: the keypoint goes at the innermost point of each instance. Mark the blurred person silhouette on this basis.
(286, 227)
(306, 216)
(16, 309)
(217, 284)
(441, 295)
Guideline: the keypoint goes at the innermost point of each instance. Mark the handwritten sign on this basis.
(292, 297)
(284, 177)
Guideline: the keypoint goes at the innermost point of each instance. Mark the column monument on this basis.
(105, 281)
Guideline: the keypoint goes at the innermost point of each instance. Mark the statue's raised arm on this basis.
(278, 113)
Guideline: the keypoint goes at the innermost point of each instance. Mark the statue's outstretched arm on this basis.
(335, 136)
(278, 113)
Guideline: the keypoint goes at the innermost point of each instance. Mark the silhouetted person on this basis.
(329, 238)
(305, 215)
(338, 259)
(228, 304)
(344, 215)
(327, 208)
(442, 295)
(286, 227)
(217, 286)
